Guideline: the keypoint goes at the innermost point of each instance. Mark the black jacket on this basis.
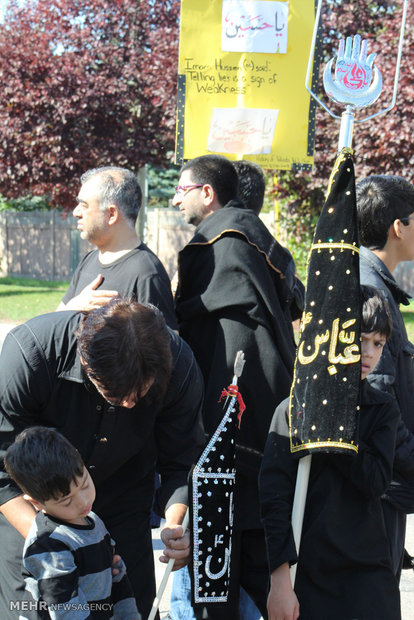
(344, 566)
(236, 287)
(395, 374)
(42, 383)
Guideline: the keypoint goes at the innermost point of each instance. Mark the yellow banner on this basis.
(241, 86)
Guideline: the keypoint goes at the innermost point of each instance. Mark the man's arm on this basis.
(179, 437)
(19, 513)
(25, 383)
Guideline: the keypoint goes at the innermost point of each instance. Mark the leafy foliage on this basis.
(24, 203)
(84, 83)
(161, 183)
(92, 82)
(382, 145)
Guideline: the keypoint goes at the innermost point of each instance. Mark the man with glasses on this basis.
(107, 208)
(126, 391)
(235, 288)
(385, 207)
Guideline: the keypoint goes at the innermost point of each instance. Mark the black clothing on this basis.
(41, 382)
(248, 570)
(344, 568)
(395, 370)
(236, 287)
(139, 273)
(234, 293)
(395, 373)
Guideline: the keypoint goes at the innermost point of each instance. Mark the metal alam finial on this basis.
(353, 84)
(357, 82)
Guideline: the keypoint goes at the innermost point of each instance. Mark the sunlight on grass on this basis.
(22, 298)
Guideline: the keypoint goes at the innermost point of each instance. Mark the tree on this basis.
(84, 83)
(382, 145)
(161, 184)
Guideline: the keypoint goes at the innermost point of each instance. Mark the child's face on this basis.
(372, 344)
(74, 507)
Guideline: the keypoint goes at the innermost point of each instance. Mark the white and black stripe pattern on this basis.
(68, 573)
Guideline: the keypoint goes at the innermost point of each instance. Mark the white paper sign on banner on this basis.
(242, 130)
(254, 26)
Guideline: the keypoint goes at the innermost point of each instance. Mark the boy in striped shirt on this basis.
(68, 553)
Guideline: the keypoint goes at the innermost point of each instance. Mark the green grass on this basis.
(23, 298)
(408, 316)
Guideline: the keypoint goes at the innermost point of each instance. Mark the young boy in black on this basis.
(68, 553)
(344, 565)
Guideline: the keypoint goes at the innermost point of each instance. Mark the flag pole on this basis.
(167, 573)
(298, 508)
(351, 59)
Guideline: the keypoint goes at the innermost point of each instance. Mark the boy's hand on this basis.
(282, 603)
(115, 561)
(177, 545)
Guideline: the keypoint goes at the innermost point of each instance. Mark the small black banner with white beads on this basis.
(211, 508)
(325, 391)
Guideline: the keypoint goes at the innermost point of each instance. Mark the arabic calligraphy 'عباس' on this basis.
(351, 353)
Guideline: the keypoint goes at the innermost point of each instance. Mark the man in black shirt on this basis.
(127, 392)
(108, 204)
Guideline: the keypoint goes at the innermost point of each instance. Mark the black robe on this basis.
(236, 288)
(344, 568)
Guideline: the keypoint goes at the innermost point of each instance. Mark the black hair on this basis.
(381, 200)
(122, 346)
(252, 184)
(376, 315)
(217, 171)
(117, 186)
(43, 463)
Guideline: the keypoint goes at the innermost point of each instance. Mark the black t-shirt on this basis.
(139, 273)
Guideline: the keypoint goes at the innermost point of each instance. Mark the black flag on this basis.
(211, 503)
(325, 389)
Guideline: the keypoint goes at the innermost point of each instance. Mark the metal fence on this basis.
(48, 247)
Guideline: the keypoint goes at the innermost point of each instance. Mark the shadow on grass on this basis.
(29, 283)
(38, 291)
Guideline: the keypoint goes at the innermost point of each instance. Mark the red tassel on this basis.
(231, 391)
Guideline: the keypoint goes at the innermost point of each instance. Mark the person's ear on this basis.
(113, 214)
(208, 194)
(394, 231)
(147, 386)
(37, 505)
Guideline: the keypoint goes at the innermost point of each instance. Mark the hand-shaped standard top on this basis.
(353, 73)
